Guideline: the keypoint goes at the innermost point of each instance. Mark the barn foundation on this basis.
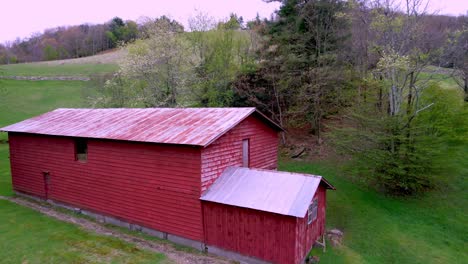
(198, 245)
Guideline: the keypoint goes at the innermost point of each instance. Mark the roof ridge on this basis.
(195, 126)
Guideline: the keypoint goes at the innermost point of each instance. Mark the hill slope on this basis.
(99, 64)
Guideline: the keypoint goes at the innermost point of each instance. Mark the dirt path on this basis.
(172, 254)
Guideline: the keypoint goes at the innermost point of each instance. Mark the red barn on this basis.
(183, 174)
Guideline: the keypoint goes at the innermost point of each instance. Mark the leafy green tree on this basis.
(302, 62)
(158, 67)
(385, 157)
(222, 53)
(395, 135)
(129, 31)
(456, 56)
(50, 53)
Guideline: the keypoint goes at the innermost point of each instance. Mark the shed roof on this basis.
(265, 190)
(188, 126)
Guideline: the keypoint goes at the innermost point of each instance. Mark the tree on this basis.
(221, 52)
(456, 56)
(394, 142)
(158, 66)
(303, 62)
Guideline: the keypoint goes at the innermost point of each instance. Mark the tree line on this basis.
(75, 41)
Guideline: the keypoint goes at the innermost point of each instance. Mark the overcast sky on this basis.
(21, 18)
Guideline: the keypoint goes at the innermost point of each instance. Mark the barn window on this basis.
(245, 153)
(312, 213)
(81, 149)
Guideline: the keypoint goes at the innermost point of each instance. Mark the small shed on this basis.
(265, 214)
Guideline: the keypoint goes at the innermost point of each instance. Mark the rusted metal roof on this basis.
(188, 126)
(272, 191)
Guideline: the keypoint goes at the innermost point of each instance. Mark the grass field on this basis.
(56, 69)
(378, 228)
(23, 99)
(27, 236)
(382, 229)
(86, 66)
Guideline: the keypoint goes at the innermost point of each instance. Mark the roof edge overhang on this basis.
(327, 184)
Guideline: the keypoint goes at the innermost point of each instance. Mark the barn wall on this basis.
(306, 234)
(157, 186)
(227, 150)
(253, 233)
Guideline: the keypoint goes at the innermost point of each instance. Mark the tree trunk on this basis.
(466, 87)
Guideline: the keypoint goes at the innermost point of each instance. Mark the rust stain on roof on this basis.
(188, 126)
(265, 190)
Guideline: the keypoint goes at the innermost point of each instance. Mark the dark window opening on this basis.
(245, 153)
(312, 212)
(81, 149)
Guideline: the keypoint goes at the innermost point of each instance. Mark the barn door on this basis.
(46, 176)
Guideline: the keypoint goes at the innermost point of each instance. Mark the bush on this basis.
(404, 155)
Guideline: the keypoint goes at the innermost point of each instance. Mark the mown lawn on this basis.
(383, 229)
(5, 179)
(56, 70)
(29, 237)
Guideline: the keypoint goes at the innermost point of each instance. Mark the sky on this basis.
(21, 18)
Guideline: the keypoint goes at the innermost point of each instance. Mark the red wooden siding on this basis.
(307, 234)
(227, 150)
(250, 232)
(157, 186)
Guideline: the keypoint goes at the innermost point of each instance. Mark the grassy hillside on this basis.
(98, 64)
(382, 229)
(23, 99)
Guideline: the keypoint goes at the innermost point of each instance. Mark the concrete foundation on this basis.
(122, 223)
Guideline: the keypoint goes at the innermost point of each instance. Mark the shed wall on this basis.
(227, 150)
(157, 186)
(253, 233)
(307, 234)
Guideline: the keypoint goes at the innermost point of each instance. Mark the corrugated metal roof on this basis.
(188, 126)
(272, 191)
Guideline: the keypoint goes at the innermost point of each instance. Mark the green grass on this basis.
(383, 229)
(5, 178)
(27, 69)
(20, 100)
(27, 236)
(441, 76)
